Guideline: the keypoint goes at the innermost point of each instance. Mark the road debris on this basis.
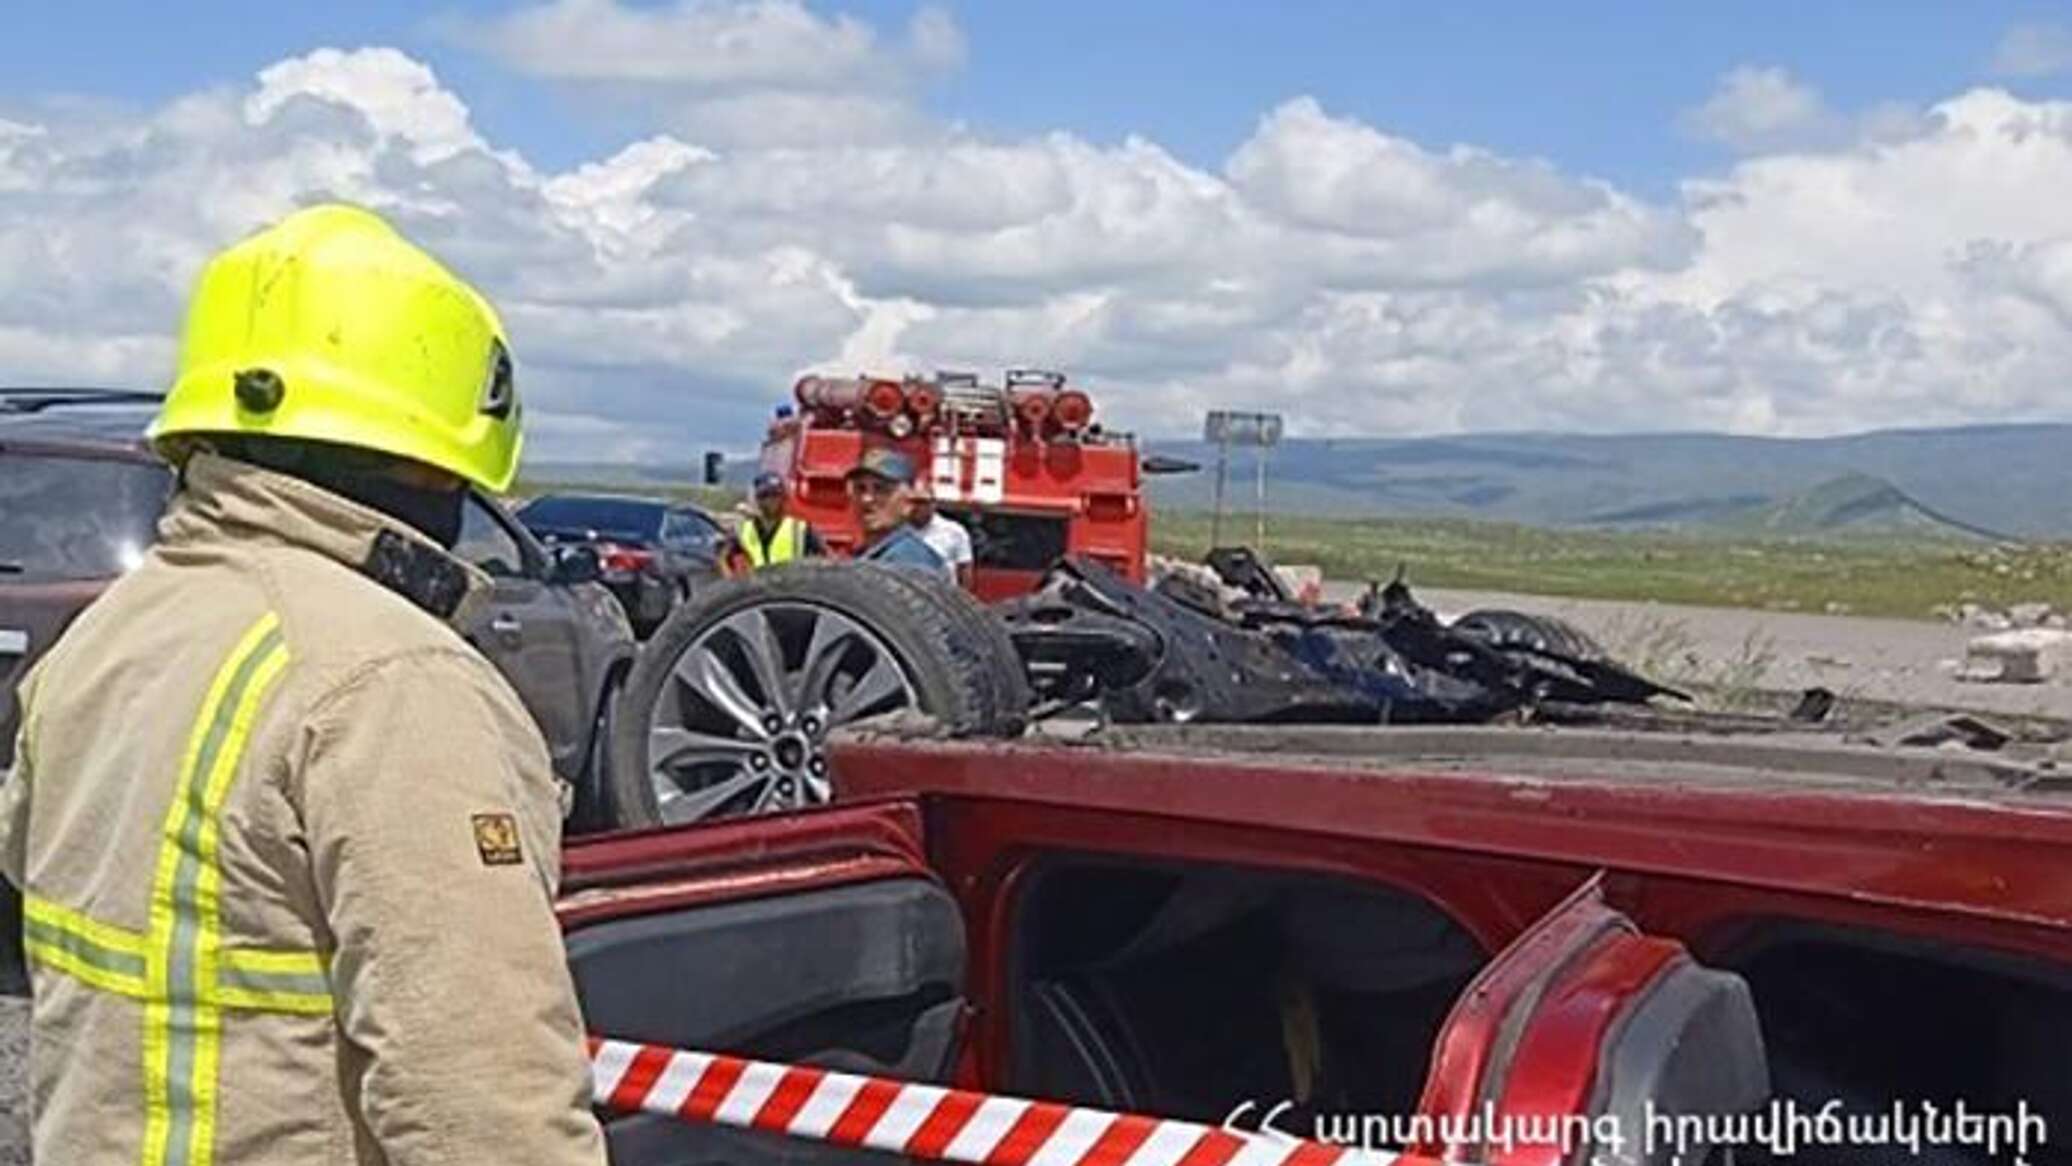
(2029, 656)
(1960, 730)
(1241, 647)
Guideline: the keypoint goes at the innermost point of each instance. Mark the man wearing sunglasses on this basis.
(881, 494)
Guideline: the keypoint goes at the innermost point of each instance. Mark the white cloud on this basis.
(398, 97)
(776, 118)
(663, 297)
(1885, 282)
(719, 45)
(615, 193)
(2034, 50)
(1758, 109)
(1888, 216)
(726, 72)
(1387, 213)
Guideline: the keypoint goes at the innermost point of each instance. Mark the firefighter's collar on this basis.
(237, 500)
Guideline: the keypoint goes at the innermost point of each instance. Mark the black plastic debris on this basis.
(1187, 650)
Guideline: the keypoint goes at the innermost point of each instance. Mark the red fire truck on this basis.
(1023, 465)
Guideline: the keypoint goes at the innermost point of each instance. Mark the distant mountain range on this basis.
(1977, 482)
(2002, 481)
(1856, 504)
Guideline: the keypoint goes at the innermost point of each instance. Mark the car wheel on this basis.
(732, 703)
(996, 666)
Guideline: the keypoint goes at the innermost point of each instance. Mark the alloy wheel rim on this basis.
(742, 723)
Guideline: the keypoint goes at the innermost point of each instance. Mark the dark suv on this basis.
(80, 498)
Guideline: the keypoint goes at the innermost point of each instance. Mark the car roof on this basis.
(1922, 828)
(90, 419)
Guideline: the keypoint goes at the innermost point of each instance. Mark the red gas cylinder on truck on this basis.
(1022, 464)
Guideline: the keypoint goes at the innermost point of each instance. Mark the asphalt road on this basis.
(1886, 660)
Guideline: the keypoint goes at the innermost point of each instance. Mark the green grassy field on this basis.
(1890, 577)
(1865, 576)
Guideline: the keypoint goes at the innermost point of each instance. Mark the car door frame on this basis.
(733, 864)
(1562, 1025)
(541, 622)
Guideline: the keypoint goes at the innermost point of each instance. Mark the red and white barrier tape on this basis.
(925, 1121)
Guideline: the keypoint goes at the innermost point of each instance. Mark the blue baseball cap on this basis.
(767, 483)
(889, 464)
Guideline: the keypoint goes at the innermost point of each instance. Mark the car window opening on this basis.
(1187, 990)
(1874, 1021)
(66, 518)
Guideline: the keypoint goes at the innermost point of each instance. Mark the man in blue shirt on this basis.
(881, 493)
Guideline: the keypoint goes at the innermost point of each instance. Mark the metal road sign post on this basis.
(1259, 514)
(1261, 431)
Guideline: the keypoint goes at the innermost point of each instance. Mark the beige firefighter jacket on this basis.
(288, 847)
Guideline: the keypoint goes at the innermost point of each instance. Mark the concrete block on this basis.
(2029, 656)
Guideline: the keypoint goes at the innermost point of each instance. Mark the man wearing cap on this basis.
(881, 492)
(771, 536)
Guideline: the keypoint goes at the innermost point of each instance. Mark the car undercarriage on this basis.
(732, 704)
(1187, 650)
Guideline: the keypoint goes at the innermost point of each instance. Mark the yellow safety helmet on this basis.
(330, 326)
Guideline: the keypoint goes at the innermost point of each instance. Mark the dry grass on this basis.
(1663, 649)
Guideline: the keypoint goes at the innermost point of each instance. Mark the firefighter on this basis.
(770, 536)
(881, 493)
(288, 845)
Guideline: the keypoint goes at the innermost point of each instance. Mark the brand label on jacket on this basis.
(496, 840)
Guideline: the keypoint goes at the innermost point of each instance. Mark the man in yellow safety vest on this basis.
(771, 536)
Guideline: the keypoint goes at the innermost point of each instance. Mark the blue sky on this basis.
(1381, 218)
(1595, 88)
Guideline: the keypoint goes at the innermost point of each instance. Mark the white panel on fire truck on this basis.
(989, 471)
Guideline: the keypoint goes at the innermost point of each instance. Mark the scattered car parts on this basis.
(734, 699)
(1179, 652)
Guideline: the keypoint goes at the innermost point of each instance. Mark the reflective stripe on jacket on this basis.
(288, 848)
(786, 543)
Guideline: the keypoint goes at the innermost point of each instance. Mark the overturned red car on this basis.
(1462, 933)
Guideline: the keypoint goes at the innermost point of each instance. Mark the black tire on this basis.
(1503, 628)
(982, 637)
(951, 671)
